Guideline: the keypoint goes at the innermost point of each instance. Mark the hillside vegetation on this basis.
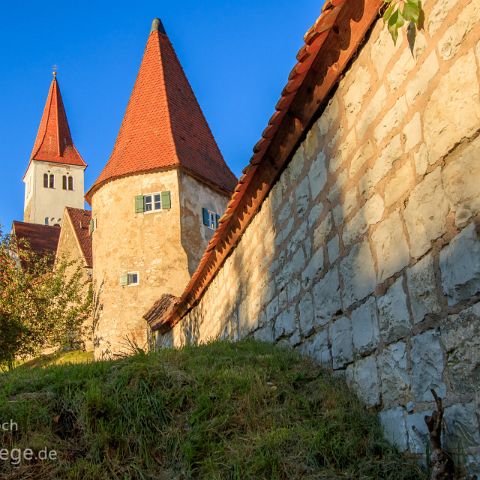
(221, 411)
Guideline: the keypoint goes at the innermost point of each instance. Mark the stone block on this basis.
(328, 117)
(402, 180)
(462, 427)
(454, 37)
(418, 436)
(424, 75)
(317, 347)
(365, 381)
(321, 232)
(354, 96)
(423, 289)
(393, 367)
(393, 313)
(272, 310)
(337, 188)
(313, 269)
(295, 167)
(365, 327)
(344, 150)
(440, 10)
(383, 164)
(460, 181)
(404, 63)
(369, 214)
(326, 297)
(390, 246)
(461, 338)
(427, 366)
(394, 427)
(371, 112)
(311, 145)
(358, 274)
(413, 132)
(421, 160)
(341, 341)
(285, 323)
(333, 249)
(315, 214)
(453, 110)
(306, 314)
(293, 291)
(364, 154)
(426, 212)
(392, 119)
(317, 175)
(302, 197)
(264, 334)
(460, 266)
(383, 50)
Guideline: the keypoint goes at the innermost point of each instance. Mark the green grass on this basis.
(222, 411)
(58, 358)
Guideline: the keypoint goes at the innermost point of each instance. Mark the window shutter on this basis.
(139, 204)
(124, 280)
(217, 220)
(92, 226)
(205, 217)
(166, 201)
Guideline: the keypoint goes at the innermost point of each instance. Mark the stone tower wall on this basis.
(366, 253)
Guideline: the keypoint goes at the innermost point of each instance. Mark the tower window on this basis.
(64, 182)
(70, 183)
(51, 181)
(45, 180)
(67, 182)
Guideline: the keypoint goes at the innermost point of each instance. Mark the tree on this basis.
(42, 301)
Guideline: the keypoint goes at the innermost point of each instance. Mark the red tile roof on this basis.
(164, 126)
(80, 220)
(329, 46)
(42, 239)
(54, 141)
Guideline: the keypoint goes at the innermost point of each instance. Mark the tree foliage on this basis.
(403, 12)
(43, 304)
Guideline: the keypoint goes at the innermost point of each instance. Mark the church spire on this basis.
(54, 141)
(164, 126)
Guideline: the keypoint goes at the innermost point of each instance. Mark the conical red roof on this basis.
(164, 125)
(54, 142)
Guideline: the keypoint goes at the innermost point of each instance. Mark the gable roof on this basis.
(329, 47)
(164, 126)
(54, 141)
(42, 239)
(80, 221)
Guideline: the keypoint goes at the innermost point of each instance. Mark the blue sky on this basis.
(237, 56)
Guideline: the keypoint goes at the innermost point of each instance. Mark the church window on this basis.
(45, 180)
(70, 183)
(64, 182)
(210, 218)
(51, 181)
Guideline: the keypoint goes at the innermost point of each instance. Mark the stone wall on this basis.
(366, 253)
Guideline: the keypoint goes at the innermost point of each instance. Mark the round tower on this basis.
(156, 203)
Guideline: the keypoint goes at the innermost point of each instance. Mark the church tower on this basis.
(55, 174)
(157, 202)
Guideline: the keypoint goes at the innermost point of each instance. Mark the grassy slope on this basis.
(222, 411)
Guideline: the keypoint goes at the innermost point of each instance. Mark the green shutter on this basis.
(166, 201)
(205, 217)
(124, 280)
(92, 226)
(139, 204)
(217, 220)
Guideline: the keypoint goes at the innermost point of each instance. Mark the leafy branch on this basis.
(401, 12)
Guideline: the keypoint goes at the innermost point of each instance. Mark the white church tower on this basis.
(55, 175)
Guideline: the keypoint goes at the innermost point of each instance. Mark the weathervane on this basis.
(55, 69)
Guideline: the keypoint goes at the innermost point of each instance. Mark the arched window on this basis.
(52, 181)
(45, 180)
(70, 183)
(64, 182)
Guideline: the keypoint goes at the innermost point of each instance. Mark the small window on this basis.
(129, 279)
(64, 182)
(210, 218)
(51, 182)
(157, 201)
(70, 183)
(45, 180)
(46, 220)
